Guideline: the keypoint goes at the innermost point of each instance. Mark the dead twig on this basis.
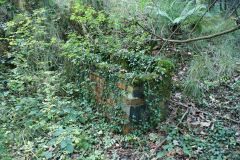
(158, 146)
(165, 139)
(184, 115)
(206, 113)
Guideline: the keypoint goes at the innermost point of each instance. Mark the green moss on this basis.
(124, 65)
(150, 76)
(136, 82)
(165, 64)
(161, 70)
(121, 75)
(103, 65)
(141, 78)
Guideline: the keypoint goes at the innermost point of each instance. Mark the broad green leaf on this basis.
(85, 145)
(58, 132)
(186, 8)
(185, 150)
(68, 141)
(164, 14)
(2, 149)
(82, 120)
(52, 141)
(47, 154)
(161, 154)
(187, 14)
(70, 148)
(63, 144)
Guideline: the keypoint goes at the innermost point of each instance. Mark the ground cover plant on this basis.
(48, 48)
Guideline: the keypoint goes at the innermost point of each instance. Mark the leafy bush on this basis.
(30, 41)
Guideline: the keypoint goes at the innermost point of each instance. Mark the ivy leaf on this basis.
(185, 150)
(169, 147)
(52, 141)
(161, 154)
(1, 149)
(169, 138)
(70, 148)
(47, 154)
(63, 144)
(58, 132)
(33, 112)
(82, 120)
(85, 145)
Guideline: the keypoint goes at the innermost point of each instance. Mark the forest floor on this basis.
(38, 124)
(214, 120)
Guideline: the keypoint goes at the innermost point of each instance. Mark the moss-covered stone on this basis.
(165, 64)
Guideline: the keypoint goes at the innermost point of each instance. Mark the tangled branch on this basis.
(190, 40)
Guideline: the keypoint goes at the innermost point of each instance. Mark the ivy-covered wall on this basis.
(141, 96)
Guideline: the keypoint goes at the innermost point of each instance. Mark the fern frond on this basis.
(185, 14)
(165, 15)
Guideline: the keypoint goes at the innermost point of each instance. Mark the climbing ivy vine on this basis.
(115, 51)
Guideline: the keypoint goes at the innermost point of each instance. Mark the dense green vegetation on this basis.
(48, 48)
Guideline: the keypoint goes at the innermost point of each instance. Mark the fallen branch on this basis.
(189, 40)
(165, 139)
(158, 146)
(199, 38)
